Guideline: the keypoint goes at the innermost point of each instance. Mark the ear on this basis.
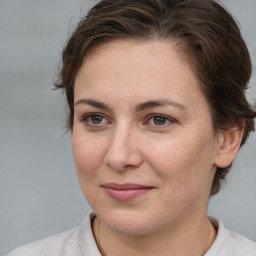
(229, 144)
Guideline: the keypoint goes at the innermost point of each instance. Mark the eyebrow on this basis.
(159, 103)
(141, 107)
(94, 103)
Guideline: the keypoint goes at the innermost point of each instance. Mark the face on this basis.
(143, 141)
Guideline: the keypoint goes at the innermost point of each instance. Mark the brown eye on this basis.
(158, 120)
(96, 119)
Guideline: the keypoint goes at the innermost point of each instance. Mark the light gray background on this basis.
(39, 191)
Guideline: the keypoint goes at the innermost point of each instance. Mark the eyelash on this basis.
(165, 118)
(85, 118)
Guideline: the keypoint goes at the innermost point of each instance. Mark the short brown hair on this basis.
(202, 29)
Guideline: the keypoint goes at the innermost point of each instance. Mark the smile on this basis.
(125, 192)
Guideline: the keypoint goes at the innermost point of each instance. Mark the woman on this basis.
(156, 93)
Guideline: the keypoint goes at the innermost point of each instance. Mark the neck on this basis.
(198, 238)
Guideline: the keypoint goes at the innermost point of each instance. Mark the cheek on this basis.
(183, 163)
(88, 156)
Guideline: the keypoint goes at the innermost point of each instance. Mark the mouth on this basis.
(125, 192)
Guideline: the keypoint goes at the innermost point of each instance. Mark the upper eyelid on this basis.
(161, 115)
(93, 114)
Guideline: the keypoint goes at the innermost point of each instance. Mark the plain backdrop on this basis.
(39, 190)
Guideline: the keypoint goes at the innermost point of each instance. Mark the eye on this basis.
(160, 120)
(94, 119)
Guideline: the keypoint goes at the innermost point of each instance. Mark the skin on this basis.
(118, 141)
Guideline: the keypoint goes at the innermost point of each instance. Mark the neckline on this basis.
(88, 245)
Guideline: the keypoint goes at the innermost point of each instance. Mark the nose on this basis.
(123, 152)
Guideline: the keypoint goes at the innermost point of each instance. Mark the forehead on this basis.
(128, 62)
(154, 59)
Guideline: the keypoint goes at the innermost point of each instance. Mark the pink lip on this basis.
(125, 192)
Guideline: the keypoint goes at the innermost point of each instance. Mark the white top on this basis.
(80, 242)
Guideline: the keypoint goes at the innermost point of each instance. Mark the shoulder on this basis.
(61, 244)
(241, 245)
(77, 241)
(230, 243)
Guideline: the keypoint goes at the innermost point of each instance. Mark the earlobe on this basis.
(229, 144)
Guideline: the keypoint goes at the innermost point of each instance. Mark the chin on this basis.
(128, 222)
(131, 222)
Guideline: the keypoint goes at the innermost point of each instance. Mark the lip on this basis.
(125, 192)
